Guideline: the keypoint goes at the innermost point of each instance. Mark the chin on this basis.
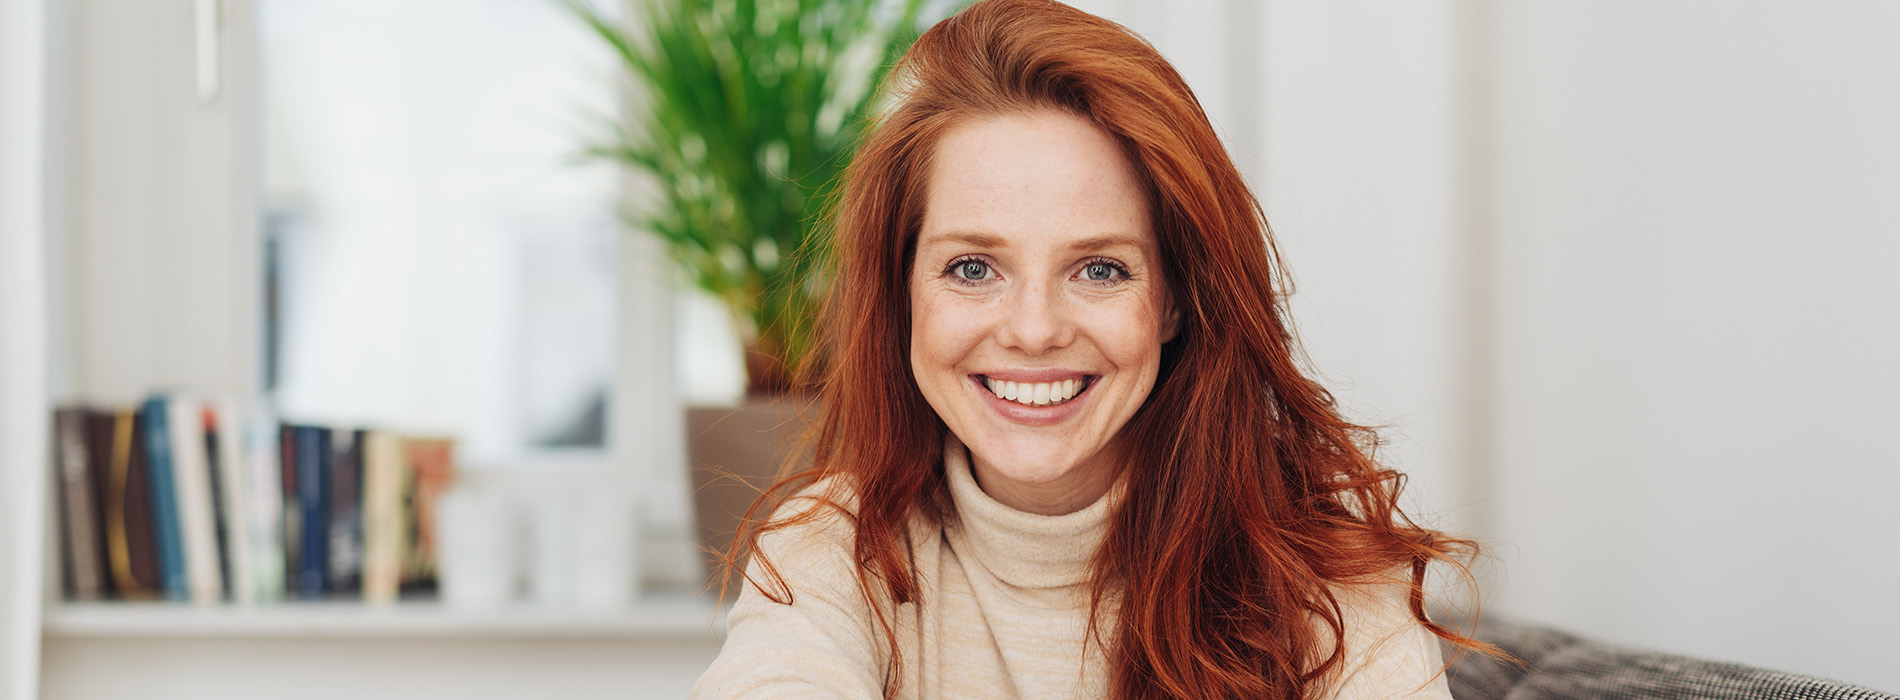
(1027, 461)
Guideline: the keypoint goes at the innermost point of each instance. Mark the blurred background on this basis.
(1620, 280)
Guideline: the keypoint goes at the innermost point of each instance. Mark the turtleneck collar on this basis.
(1024, 549)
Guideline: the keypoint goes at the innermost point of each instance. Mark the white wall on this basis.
(156, 213)
(1623, 278)
(1361, 187)
(1344, 118)
(1699, 314)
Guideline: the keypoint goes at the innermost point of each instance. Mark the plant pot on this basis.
(736, 454)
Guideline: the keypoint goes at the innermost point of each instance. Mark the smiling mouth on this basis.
(1038, 394)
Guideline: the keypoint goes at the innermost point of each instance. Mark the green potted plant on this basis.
(747, 111)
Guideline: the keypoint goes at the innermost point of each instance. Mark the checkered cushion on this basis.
(1564, 667)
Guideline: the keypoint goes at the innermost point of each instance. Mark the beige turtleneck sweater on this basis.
(1003, 615)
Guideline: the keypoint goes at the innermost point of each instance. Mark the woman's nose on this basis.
(1037, 320)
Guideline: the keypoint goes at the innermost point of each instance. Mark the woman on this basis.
(1066, 449)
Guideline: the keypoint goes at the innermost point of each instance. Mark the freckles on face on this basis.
(1038, 304)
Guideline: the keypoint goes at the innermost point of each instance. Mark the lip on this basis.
(1034, 415)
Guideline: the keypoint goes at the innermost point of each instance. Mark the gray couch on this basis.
(1559, 666)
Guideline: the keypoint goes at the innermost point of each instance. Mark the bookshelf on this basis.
(655, 649)
(662, 616)
(148, 276)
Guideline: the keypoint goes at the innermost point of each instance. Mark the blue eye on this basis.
(1103, 271)
(969, 270)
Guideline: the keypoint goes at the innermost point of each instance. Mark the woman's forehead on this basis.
(1032, 176)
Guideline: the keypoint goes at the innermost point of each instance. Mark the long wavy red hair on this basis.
(1248, 496)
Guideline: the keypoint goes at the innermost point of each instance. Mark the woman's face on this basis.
(1038, 304)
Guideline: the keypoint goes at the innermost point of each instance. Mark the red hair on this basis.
(1248, 495)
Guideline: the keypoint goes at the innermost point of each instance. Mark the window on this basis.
(437, 257)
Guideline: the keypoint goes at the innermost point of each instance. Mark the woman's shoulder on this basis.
(1382, 601)
(803, 619)
(835, 493)
(819, 516)
(1375, 609)
(819, 520)
(1388, 652)
(812, 535)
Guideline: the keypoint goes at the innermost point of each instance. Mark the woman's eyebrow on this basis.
(1103, 242)
(976, 239)
(979, 239)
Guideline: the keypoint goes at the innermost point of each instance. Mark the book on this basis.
(165, 530)
(224, 438)
(344, 569)
(313, 459)
(384, 470)
(197, 512)
(431, 470)
(194, 500)
(214, 473)
(101, 427)
(131, 547)
(292, 513)
(83, 573)
(263, 511)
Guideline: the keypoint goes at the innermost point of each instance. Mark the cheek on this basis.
(939, 334)
(922, 315)
(1131, 337)
(934, 342)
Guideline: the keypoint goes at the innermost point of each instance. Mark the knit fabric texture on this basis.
(1003, 614)
(1560, 666)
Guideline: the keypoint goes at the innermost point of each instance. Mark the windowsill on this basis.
(658, 616)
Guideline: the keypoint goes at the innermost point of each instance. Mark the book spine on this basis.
(83, 575)
(165, 535)
(214, 477)
(313, 457)
(118, 541)
(191, 478)
(141, 527)
(265, 506)
(346, 524)
(383, 471)
(101, 427)
(232, 492)
(291, 492)
(431, 468)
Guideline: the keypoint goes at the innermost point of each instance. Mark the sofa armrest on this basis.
(1560, 666)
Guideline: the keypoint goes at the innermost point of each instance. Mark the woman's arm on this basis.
(823, 644)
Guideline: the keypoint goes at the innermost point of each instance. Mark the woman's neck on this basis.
(1073, 491)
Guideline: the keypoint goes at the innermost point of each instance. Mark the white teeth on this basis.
(1036, 394)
